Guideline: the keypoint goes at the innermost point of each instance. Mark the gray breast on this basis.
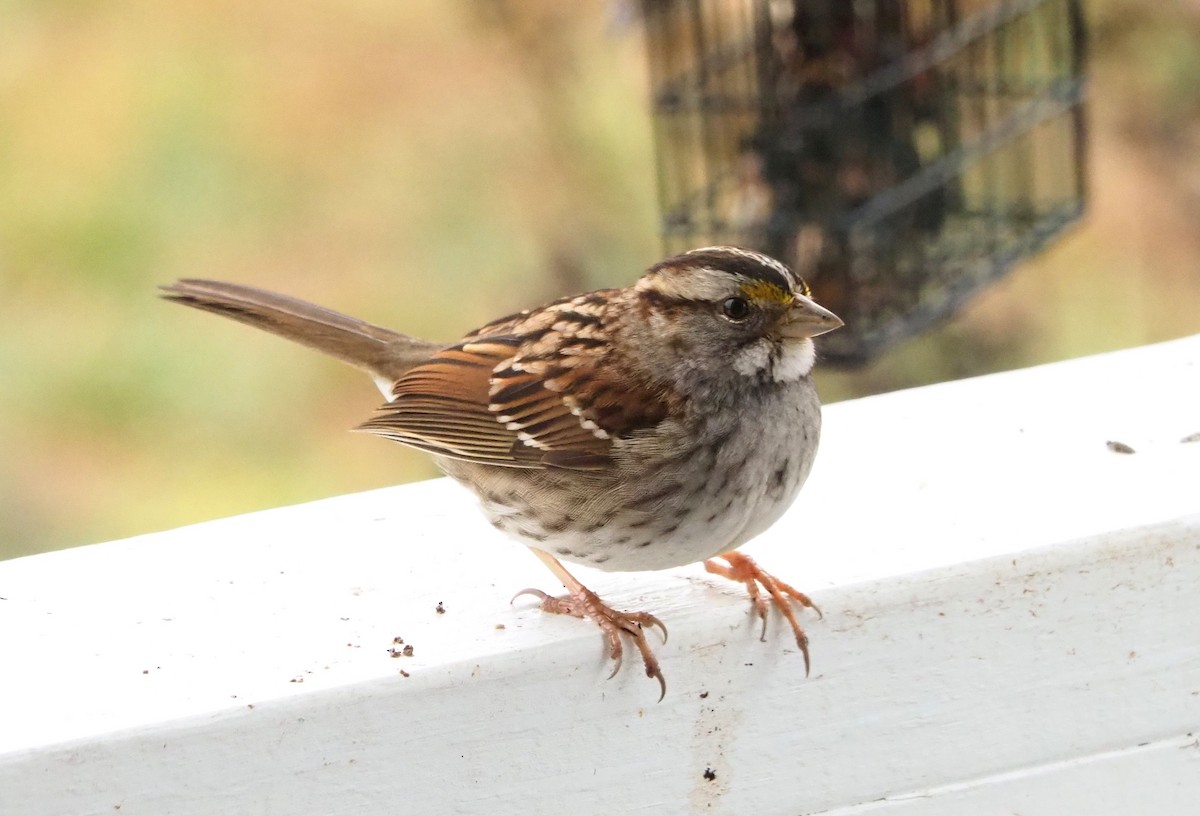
(686, 492)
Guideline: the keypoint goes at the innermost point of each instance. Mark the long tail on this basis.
(382, 353)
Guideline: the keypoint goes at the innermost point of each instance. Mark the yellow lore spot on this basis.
(763, 291)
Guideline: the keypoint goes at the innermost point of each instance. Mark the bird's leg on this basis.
(581, 602)
(741, 568)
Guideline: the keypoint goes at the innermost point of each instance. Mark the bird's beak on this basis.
(807, 319)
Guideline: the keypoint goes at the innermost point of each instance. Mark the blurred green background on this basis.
(426, 165)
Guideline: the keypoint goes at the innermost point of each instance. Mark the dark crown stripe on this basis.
(656, 298)
(745, 265)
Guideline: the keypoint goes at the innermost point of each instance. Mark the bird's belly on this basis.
(607, 526)
(658, 513)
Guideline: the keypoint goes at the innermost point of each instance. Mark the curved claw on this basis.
(646, 619)
(802, 642)
(616, 659)
(537, 593)
(662, 682)
(761, 608)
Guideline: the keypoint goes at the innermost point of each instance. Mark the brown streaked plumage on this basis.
(647, 427)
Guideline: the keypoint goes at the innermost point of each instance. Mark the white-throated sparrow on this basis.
(641, 428)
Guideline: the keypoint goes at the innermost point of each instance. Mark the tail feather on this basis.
(384, 354)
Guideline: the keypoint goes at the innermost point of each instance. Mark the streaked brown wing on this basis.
(441, 406)
(550, 394)
(539, 401)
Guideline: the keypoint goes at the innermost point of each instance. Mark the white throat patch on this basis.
(795, 361)
(752, 358)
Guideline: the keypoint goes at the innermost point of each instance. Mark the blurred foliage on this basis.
(426, 165)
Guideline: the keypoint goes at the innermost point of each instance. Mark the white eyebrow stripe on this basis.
(705, 283)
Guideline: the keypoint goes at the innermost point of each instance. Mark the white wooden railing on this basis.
(1012, 625)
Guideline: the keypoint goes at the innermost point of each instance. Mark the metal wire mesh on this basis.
(899, 155)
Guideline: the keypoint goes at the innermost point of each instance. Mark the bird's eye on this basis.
(736, 309)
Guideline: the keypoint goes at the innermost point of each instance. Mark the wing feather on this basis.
(547, 393)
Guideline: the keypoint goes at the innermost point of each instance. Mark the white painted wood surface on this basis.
(1012, 625)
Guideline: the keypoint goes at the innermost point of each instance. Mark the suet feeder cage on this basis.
(900, 155)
